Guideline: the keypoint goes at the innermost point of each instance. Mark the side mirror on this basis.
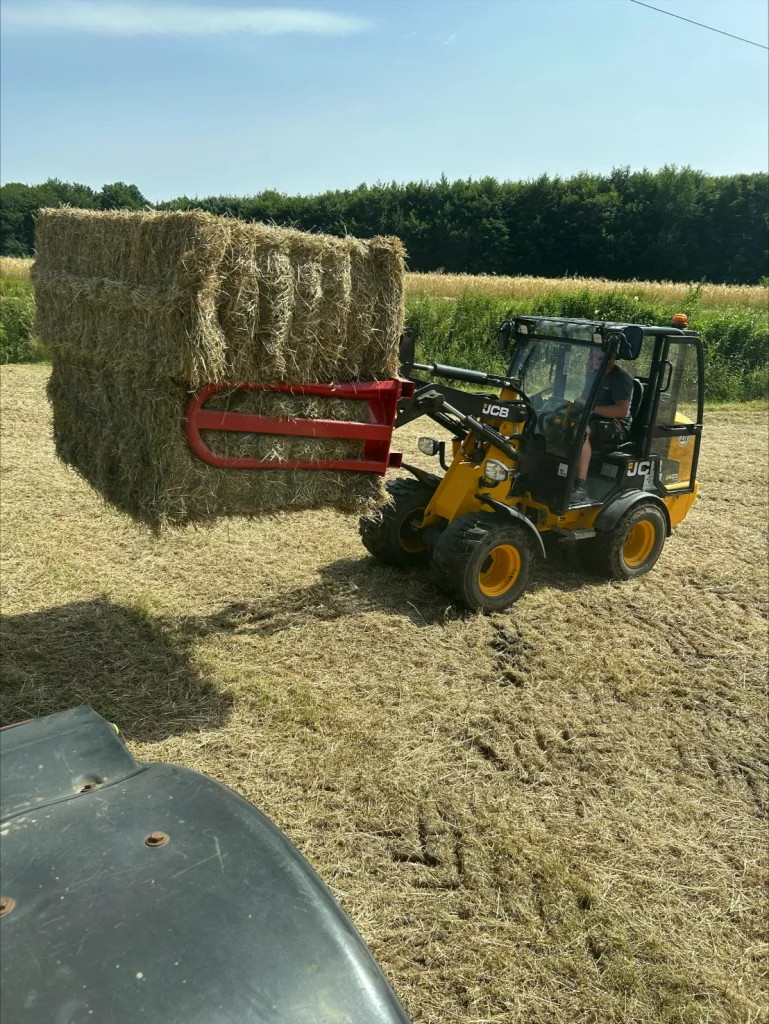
(504, 334)
(407, 348)
(628, 342)
(630, 346)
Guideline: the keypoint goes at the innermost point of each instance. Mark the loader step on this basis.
(573, 534)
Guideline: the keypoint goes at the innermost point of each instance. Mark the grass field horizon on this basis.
(526, 287)
(552, 815)
(456, 318)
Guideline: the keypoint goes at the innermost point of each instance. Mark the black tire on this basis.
(388, 534)
(630, 549)
(468, 567)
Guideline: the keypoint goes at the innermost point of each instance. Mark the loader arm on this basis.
(413, 408)
(477, 405)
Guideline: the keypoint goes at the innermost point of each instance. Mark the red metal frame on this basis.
(382, 397)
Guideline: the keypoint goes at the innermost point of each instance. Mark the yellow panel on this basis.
(455, 495)
(679, 506)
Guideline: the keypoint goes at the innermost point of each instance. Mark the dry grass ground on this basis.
(454, 285)
(557, 814)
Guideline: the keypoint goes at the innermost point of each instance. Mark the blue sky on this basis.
(206, 97)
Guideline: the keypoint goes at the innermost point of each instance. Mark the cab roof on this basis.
(600, 326)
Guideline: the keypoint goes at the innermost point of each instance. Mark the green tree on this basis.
(676, 223)
(20, 204)
(119, 196)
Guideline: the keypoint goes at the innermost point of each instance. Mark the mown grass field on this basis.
(553, 815)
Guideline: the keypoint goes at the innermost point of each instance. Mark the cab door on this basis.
(677, 423)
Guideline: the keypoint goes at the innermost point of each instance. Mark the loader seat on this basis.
(639, 389)
(637, 405)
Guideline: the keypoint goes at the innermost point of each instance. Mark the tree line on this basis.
(19, 206)
(675, 224)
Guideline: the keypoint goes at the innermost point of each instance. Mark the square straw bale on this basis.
(141, 309)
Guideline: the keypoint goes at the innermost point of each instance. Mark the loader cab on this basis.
(561, 364)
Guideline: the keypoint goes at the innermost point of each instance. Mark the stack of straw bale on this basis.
(141, 309)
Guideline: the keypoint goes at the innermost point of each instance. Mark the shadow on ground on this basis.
(347, 587)
(351, 586)
(131, 669)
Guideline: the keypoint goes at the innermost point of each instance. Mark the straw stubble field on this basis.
(557, 814)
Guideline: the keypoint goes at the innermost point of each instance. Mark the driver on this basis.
(610, 419)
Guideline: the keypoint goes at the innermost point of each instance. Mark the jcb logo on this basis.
(500, 411)
(639, 468)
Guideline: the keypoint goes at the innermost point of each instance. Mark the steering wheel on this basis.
(558, 418)
(551, 409)
(538, 401)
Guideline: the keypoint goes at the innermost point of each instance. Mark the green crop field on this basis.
(456, 317)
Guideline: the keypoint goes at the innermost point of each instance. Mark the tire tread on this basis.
(376, 531)
(456, 546)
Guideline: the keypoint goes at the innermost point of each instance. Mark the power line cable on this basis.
(700, 24)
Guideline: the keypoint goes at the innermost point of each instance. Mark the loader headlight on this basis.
(428, 445)
(496, 471)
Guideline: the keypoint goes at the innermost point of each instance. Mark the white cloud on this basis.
(449, 40)
(136, 18)
(409, 35)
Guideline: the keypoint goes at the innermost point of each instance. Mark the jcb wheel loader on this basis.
(515, 452)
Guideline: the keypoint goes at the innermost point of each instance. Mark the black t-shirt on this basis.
(616, 386)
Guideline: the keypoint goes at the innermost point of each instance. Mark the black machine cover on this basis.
(223, 923)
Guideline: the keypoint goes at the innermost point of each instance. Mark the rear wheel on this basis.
(631, 548)
(482, 561)
(392, 533)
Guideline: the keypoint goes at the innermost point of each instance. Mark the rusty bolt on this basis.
(156, 839)
(7, 903)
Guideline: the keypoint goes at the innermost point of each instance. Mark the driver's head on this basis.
(595, 358)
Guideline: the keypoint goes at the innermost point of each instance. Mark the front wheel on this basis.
(483, 561)
(631, 548)
(392, 533)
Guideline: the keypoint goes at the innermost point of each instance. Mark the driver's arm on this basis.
(613, 412)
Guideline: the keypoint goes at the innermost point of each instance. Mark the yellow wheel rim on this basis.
(408, 537)
(500, 570)
(639, 544)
